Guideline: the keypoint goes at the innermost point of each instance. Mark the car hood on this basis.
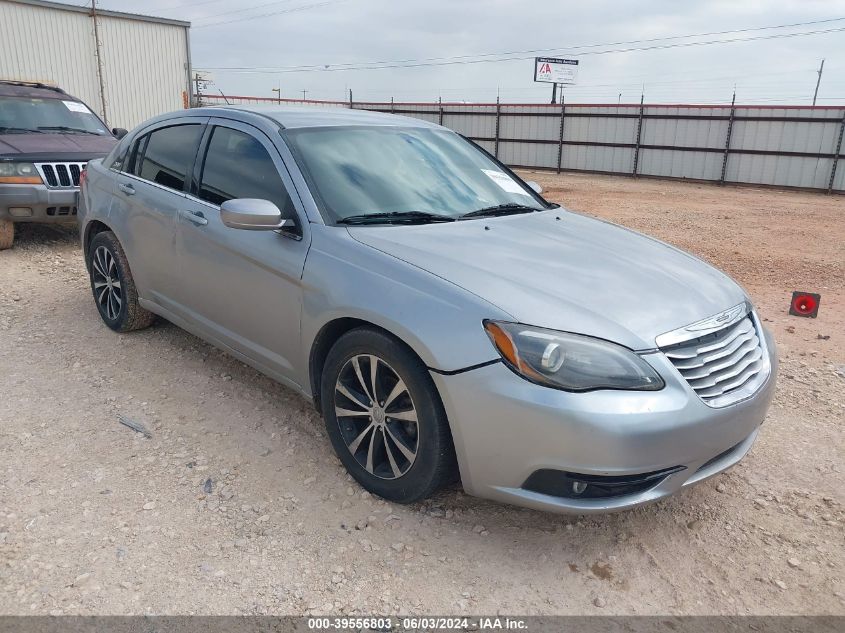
(36, 147)
(561, 270)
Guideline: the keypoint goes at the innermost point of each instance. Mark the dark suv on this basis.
(46, 138)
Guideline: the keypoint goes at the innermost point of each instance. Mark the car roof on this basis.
(34, 90)
(314, 116)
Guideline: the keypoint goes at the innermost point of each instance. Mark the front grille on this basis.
(61, 211)
(725, 366)
(559, 483)
(60, 175)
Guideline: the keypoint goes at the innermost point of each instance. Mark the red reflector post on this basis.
(805, 304)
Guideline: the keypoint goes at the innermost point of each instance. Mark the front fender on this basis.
(440, 321)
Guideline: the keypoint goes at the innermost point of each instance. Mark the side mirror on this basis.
(535, 187)
(252, 214)
(119, 132)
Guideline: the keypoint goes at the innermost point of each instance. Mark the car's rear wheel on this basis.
(384, 417)
(114, 289)
(7, 234)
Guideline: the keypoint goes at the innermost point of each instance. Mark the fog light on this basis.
(20, 212)
(579, 486)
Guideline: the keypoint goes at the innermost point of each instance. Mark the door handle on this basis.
(195, 217)
(128, 189)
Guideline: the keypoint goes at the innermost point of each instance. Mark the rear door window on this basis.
(164, 156)
(237, 165)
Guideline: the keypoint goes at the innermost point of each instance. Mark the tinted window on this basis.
(238, 166)
(165, 155)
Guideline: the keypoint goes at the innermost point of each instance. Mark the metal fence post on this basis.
(639, 136)
(440, 111)
(560, 140)
(350, 99)
(836, 156)
(498, 116)
(392, 109)
(728, 140)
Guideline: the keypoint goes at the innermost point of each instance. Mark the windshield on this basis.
(363, 171)
(49, 116)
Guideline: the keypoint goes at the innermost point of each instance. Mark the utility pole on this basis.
(199, 84)
(304, 92)
(99, 55)
(818, 81)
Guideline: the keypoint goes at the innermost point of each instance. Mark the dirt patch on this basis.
(236, 504)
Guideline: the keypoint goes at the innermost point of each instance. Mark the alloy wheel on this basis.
(107, 286)
(377, 417)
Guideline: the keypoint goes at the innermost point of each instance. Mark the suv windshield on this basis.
(48, 116)
(393, 172)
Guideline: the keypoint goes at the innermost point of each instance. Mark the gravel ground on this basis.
(236, 504)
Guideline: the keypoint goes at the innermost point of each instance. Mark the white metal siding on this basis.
(144, 62)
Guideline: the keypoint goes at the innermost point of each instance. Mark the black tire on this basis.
(7, 234)
(122, 313)
(434, 464)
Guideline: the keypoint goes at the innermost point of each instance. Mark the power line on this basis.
(304, 7)
(329, 68)
(477, 56)
(259, 6)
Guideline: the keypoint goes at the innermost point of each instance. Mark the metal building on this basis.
(126, 67)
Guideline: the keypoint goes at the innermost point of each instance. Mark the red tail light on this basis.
(82, 175)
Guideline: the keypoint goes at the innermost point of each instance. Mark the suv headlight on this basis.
(571, 362)
(19, 174)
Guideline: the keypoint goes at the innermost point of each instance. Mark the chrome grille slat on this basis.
(701, 361)
(708, 369)
(745, 376)
(726, 374)
(729, 335)
(60, 175)
(724, 366)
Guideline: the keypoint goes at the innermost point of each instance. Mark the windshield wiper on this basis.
(65, 128)
(19, 130)
(395, 217)
(509, 208)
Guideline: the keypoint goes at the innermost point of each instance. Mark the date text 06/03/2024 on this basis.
(417, 623)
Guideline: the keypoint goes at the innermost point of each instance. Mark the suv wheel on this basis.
(114, 289)
(384, 417)
(7, 234)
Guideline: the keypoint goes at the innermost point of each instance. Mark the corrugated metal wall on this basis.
(144, 62)
(783, 146)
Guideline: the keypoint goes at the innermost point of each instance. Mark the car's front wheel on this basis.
(384, 417)
(113, 286)
(7, 234)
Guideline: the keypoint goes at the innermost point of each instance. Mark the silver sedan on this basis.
(445, 319)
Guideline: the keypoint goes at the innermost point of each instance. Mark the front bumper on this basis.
(506, 428)
(44, 204)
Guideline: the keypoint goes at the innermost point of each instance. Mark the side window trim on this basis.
(140, 154)
(199, 163)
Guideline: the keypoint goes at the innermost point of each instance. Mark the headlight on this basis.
(19, 174)
(571, 362)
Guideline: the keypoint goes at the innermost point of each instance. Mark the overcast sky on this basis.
(277, 35)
